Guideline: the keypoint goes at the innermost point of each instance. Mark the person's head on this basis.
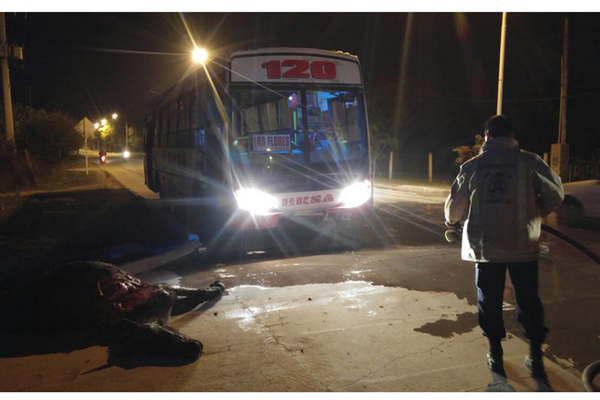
(498, 126)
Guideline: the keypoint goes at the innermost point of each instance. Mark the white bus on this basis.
(283, 138)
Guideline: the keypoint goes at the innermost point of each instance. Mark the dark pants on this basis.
(489, 279)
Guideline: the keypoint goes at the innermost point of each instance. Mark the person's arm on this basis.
(548, 186)
(457, 203)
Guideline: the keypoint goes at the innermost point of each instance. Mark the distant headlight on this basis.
(255, 201)
(356, 194)
(126, 154)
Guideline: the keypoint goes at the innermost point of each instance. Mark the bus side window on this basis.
(210, 110)
(162, 127)
(149, 134)
(212, 137)
(214, 153)
(189, 101)
(156, 128)
(198, 121)
(183, 118)
(164, 132)
(172, 123)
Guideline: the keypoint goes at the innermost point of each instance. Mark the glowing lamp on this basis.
(199, 55)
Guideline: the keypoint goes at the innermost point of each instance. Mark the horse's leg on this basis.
(189, 298)
(130, 338)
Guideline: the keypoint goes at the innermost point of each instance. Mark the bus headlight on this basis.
(356, 194)
(255, 201)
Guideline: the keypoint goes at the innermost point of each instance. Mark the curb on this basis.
(156, 261)
(415, 189)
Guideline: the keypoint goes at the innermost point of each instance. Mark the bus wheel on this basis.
(230, 245)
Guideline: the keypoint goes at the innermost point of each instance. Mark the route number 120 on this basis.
(301, 69)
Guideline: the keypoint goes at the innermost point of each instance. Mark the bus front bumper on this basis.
(309, 218)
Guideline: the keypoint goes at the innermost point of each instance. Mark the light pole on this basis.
(559, 152)
(6, 90)
(115, 117)
(85, 146)
(126, 153)
(501, 64)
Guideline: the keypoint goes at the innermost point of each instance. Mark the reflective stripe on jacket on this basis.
(501, 195)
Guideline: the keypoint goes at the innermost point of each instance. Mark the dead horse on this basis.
(127, 313)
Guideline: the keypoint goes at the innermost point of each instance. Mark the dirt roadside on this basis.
(77, 216)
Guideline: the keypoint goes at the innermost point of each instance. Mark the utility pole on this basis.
(559, 152)
(126, 134)
(85, 146)
(6, 91)
(430, 167)
(507, 282)
(501, 65)
(564, 81)
(82, 127)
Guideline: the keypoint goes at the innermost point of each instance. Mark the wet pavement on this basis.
(394, 313)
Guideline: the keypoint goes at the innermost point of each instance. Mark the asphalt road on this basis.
(394, 313)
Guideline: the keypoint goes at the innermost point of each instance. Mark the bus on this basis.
(273, 136)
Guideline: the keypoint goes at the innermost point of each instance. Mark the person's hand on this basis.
(453, 226)
(453, 233)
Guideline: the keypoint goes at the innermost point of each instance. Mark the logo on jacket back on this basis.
(497, 184)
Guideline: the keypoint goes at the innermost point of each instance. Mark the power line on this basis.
(514, 101)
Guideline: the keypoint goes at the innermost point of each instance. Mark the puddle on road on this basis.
(254, 306)
(258, 301)
(384, 337)
(357, 274)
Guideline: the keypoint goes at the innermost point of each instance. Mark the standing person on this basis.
(501, 196)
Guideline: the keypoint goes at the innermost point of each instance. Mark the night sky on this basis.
(437, 82)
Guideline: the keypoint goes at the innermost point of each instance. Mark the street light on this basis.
(115, 116)
(103, 122)
(199, 55)
(96, 125)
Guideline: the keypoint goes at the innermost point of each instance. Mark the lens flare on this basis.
(199, 55)
(255, 201)
(356, 194)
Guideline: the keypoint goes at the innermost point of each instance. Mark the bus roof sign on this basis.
(295, 65)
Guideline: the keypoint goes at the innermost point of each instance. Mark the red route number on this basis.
(302, 69)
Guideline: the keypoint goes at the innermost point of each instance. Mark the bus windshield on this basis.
(309, 125)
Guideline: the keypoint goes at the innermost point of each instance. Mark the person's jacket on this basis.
(501, 195)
